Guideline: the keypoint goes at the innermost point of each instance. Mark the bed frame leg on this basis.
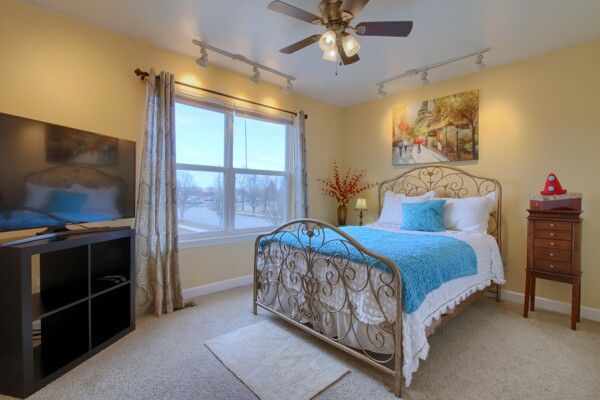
(398, 385)
(254, 294)
(498, 292)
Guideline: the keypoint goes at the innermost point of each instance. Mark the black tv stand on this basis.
(50, 233)
(79, 310)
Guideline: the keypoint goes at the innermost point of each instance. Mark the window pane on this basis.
(259, 201)
(200, 135)
(199, 202)
(258, 144)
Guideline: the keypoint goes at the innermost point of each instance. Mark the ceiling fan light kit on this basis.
(328, 41)
(350, 45)
(336, 16)
(330, 55)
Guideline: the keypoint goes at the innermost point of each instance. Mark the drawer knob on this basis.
(551, 243)
(551, 233)
(552, 225)
(551, 254)
(551, 265)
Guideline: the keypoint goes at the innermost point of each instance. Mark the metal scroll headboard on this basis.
(447, 182)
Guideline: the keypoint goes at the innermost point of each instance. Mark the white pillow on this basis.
(36, 196)
(391, 212)
(469, 214)
(99, 201)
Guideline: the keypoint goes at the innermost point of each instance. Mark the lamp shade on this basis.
(330, 55)
(361, 204)
(328, 40)
(350, 45)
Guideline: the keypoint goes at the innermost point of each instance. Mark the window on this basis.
(233, 171)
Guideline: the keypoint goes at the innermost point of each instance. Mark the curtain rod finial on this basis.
(141, 74)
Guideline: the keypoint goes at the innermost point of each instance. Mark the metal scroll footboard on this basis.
(315, 279)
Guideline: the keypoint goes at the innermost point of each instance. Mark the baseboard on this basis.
(543, 303)
(215, 287)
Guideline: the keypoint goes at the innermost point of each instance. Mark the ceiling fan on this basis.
(336, 17)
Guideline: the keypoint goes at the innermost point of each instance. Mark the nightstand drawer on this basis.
(552, 243)
(559, 267)
(551, 254)
(554, 225)
(552, 234)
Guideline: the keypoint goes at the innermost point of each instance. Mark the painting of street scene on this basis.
(440, 130)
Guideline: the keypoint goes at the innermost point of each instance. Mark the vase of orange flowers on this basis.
(343, 186)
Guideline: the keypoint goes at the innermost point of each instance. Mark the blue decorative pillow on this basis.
(426, 216)
(65, 201)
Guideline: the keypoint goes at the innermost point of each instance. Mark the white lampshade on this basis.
(361, 204)
(330, 55)
(350, 45)
(328, 41)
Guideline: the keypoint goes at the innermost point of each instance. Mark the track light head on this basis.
(202, 61)
(424, 79)
(287, 89)
(479, 61)
(255, 78)
(380, 92)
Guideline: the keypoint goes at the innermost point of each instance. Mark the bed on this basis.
(356, 289)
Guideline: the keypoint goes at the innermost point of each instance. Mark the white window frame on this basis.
(229, 234)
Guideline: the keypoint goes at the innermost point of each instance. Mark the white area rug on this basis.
(275, 364)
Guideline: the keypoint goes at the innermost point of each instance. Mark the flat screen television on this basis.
(52, 176)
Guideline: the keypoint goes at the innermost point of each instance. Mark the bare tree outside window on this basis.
(216, 203)
(187, 192)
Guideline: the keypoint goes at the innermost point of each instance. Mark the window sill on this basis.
(217, 240)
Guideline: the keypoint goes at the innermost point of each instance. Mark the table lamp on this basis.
(361, 205)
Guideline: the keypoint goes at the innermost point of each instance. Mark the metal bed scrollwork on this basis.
(297, 280)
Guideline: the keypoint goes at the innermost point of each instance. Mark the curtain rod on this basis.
(143, 75)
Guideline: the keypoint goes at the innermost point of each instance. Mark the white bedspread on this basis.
(438, 302)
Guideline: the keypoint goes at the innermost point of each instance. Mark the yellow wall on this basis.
(536, 116)
(59, 70)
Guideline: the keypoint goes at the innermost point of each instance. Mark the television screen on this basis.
(51, 176)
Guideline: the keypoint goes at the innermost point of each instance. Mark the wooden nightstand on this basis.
(553, 252)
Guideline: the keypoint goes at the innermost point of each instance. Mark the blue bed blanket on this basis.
(425, 261)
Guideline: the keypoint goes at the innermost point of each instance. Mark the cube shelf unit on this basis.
(74, 315)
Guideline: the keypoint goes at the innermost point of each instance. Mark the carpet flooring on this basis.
(488, 352)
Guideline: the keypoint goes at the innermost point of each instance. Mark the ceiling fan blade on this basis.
(384, 28)
(354, 6)
(345, 59)
(292, 11)
(292, 48)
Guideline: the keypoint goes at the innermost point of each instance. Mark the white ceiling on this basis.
(514, 29)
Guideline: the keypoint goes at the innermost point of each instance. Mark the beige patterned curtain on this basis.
(300, 183)
(158, 284)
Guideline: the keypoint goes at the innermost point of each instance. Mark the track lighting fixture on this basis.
(479, 61)
(287, 89)
(424, 79)
(380, 92)
(202, 61)
(255, 78)
(424, 70)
